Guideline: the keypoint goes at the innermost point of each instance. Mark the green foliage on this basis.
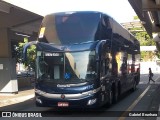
(31, 54)
(136, 18)
(144, 40)
(158, 54)
(147, 55)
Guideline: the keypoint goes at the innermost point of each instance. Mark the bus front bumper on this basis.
(90, 101)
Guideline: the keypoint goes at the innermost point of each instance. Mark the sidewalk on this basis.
(23, 95)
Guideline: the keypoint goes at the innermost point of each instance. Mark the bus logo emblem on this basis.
(62, 96)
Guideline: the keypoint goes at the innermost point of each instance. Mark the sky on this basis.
(120, 10)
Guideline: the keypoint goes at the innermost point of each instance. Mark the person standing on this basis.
(150, 75)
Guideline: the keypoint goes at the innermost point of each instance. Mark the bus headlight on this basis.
(92, 101)
(39, 92)
(91, 92)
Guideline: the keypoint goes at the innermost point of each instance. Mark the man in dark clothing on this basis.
(150, 75)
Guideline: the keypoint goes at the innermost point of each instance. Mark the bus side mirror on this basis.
(24, 54)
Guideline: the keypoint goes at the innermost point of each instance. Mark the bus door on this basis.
(130, 70)
(124, 74)
(105, 76)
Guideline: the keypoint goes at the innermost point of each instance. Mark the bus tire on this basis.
(115, 94)
(119, 89)
(110, 102)
(134, 86)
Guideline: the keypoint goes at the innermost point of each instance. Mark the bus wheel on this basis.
(115, 95)
(119, 90)
(134, 86)
(110, 98)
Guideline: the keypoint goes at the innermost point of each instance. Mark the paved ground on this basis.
(26, 94)
(23, 95)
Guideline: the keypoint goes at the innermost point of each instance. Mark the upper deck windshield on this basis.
(66, 28)
(69, 67)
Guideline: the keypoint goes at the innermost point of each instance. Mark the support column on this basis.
(8, 77)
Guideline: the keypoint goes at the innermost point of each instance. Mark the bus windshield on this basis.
(66, 28)
(69, 67)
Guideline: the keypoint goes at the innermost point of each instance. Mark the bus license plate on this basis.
(63, 104)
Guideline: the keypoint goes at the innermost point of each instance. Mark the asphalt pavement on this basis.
(28, 93)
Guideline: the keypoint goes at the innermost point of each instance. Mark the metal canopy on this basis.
(134, 24)
(149, 13)
(18, 20)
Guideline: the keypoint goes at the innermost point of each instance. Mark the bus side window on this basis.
(133, 63)
(124, 64)
(105, 65)
(102, 68)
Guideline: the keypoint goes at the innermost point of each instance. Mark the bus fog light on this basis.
(92, 101)
(39, 100)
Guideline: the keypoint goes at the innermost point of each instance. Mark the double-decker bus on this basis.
(84, 59)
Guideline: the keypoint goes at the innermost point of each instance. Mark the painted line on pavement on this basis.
(158, 118)
(124, 115)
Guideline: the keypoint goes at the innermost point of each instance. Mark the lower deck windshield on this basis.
(69, 67)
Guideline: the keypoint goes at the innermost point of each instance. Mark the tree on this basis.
(136, 18)
(31, 54)
(144, 40)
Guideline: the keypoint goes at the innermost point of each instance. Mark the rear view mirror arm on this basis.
(24, 54)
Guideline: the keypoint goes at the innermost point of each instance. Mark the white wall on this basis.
(146, 65)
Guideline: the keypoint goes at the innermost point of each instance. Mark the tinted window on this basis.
(70, 67)
(70, 28)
